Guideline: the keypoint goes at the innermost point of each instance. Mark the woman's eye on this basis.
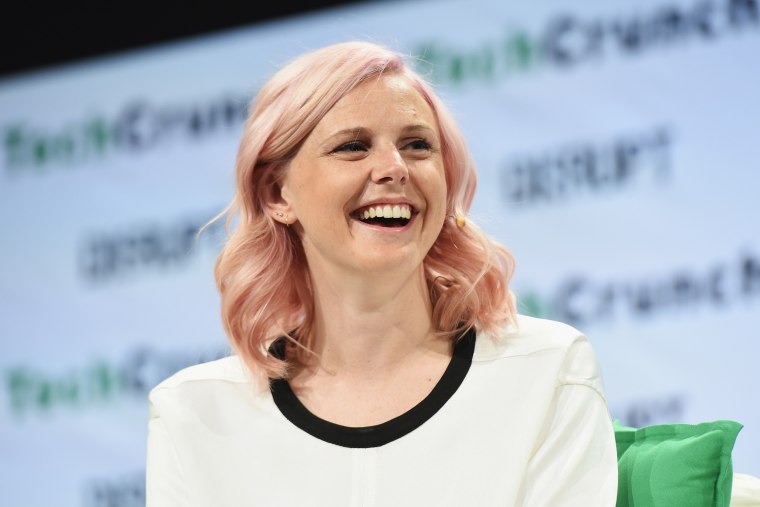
(351, 147)
(419, 144)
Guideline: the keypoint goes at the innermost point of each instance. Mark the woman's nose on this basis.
(390, 167)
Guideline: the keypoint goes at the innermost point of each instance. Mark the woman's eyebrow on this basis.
(361, 130)
(355, 131)
(417, 127)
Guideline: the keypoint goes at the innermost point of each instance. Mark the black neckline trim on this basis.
(375, 436)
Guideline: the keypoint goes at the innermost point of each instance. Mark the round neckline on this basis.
(380, 434)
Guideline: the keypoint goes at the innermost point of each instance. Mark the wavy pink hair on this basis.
(262, 274)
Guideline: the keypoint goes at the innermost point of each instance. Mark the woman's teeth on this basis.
(386, 215)
(387, 211)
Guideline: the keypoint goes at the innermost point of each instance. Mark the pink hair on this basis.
(262, 274)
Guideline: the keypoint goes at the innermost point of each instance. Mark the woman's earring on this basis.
(281, 216)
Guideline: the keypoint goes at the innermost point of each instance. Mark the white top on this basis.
(525, 423)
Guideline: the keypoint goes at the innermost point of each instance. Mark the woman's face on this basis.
(368, 186)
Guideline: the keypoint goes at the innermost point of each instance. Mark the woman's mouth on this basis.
(385, 215)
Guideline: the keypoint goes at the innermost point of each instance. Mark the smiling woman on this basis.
(377, 149)
(379, 357)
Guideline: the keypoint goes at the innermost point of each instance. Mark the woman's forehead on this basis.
(390, 99)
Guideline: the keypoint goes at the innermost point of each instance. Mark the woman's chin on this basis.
(387, 261)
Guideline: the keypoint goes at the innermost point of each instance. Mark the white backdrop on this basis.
(617, 144)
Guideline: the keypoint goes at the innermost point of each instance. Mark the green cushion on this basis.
(668, 465)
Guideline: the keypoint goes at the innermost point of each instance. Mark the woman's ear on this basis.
(277, 201)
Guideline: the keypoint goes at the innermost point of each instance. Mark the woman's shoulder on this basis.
(211, 378)
(545, 345)
(527, 335)
(208, 400)
(229, 369)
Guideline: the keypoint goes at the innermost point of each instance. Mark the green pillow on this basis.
(674, 465)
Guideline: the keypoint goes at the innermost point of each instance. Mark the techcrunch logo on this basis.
(587, 168)
(567, 40)
(139, 126)
(582, 301)
(31, 391)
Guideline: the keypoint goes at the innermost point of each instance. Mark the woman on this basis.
(380, 360)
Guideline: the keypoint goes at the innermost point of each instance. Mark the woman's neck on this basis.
(377, 353)
(365, 325)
